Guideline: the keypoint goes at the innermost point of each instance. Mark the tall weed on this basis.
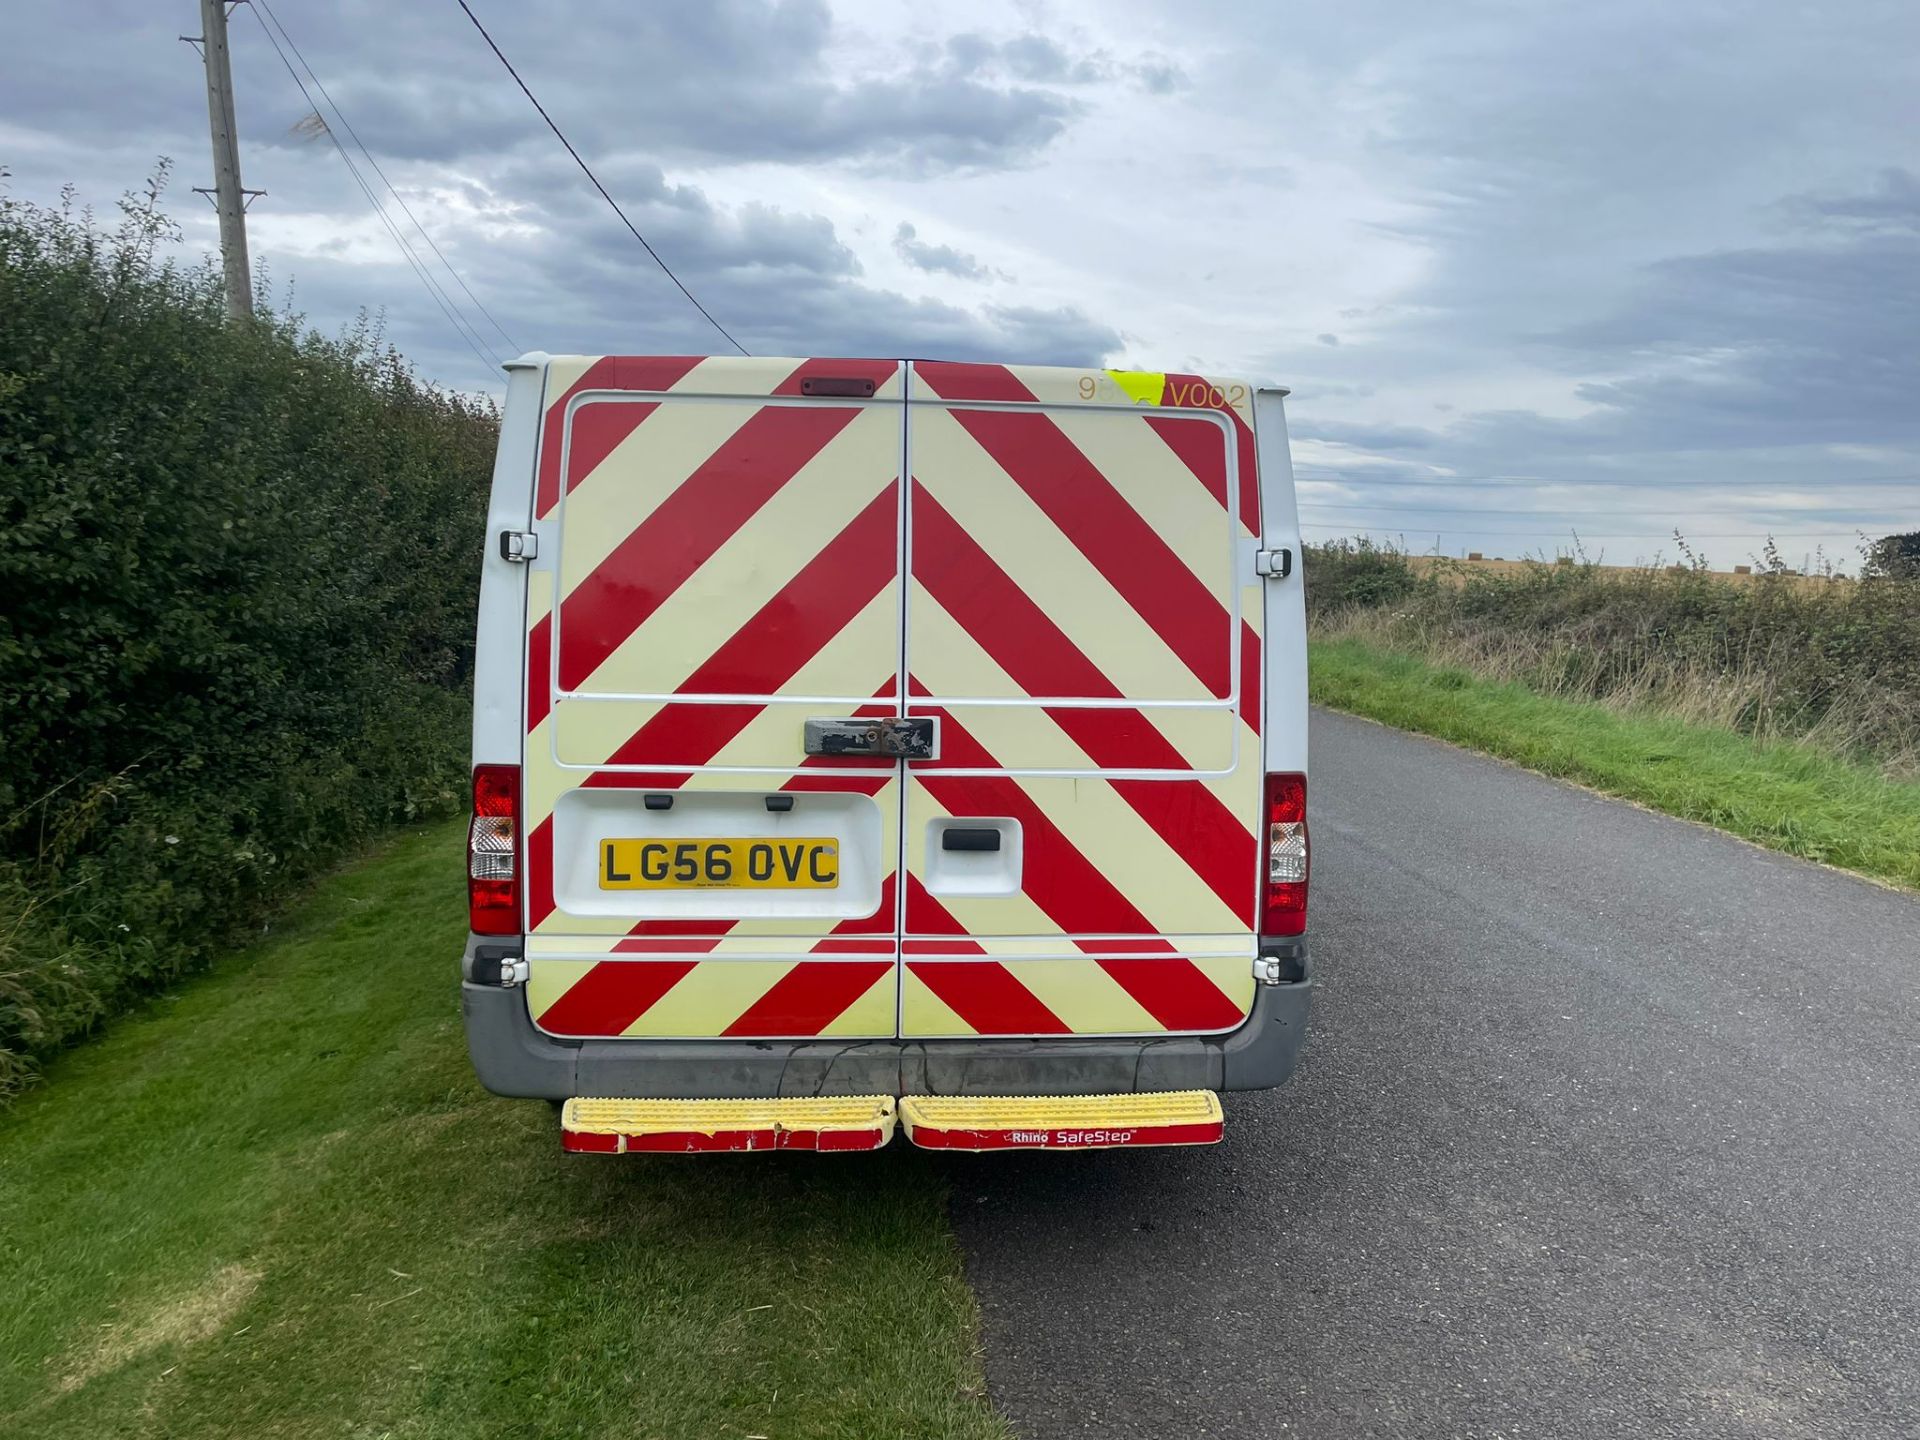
(1832, 664)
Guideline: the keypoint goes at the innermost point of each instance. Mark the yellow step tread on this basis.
(993, 1112)
(802, 1112)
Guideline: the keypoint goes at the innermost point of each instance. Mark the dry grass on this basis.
(1789, 796)
(1773, 657)
(1749, 698)
(1456, 570)
(186, 1319)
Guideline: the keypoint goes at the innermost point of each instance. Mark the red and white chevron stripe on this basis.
(1074, 614)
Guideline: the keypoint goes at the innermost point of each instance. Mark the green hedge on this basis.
(239, 564)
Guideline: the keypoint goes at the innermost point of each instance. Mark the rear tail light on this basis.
(493, 851)
(1283, 899)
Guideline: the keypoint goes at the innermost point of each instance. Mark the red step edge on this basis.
(695, 1142)
(1058, 1138)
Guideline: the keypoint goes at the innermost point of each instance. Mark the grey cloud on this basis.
(568, 277)
(606, 295)
(738, 80)
(639, 89)
(762, 237)
(1618, 205)
(1058, 336)
(725, 80)
(968, 54)
(1368, 437)
(1793, 343)
(1035, 57)
(92, 72)
(1040, 59)
(936, 259)
(1159, 75)
(1321, 384)
(920, 126)
(1892, 204)
(678, 219)
(782, 283)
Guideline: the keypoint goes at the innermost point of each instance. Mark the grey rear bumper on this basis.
(513, 1058)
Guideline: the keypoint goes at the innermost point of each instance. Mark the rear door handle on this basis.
(959, 839)
(914, 737)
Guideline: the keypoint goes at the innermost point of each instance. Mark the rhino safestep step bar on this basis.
(1062, 1122)
(866, 1122)
(623, 1127)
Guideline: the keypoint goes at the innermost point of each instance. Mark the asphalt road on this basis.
(1608, 1126)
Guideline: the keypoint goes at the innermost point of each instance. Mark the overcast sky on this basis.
(1527, 267)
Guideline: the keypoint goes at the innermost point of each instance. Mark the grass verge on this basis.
(277, 1204)
(1781, 795)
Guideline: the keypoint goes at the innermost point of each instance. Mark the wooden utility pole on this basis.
(228, 198)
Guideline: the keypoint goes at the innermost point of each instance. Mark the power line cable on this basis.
(1330, 476)
(1586, 534)
(464, 328)
(587, 170)
(400, 200)
(1306, 504)
(466, 332)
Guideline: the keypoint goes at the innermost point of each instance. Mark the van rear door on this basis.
(1084, 622)
(718, 562)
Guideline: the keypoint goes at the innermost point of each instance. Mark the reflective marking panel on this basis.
(725, 558)
(1081, 624)
(1052, 563)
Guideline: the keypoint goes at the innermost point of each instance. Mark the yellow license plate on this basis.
(787, 863)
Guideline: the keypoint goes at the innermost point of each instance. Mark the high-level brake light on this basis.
(1283, 899)
(493, 851)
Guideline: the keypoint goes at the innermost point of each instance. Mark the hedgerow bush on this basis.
(1341, 574)
(238, 563)
(1779, 656)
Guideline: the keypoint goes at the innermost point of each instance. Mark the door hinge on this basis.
(519, 546)
(1283, 963)
(1277, 563)
(496, 965)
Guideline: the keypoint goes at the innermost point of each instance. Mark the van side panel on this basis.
(499, 659)
(721, 562)
(1285, 731)
(1084, 621)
